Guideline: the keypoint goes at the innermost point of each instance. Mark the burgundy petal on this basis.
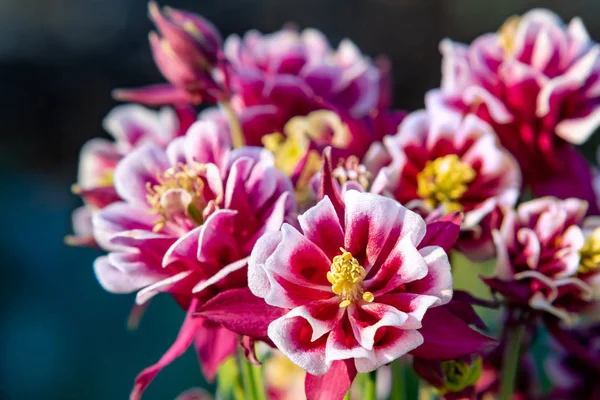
(443, 231)
(447, 337)
(240, 311)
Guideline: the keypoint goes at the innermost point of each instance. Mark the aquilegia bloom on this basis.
(535, 81)
(358, 286)
(443, 161)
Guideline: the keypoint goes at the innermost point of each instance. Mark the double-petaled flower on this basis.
(131, 126)
(441, 161)
(189, 219)
(535, 81)
(360, 284)
(545, 261)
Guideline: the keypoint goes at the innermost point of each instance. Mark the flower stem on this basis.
(510, 363)
(370, 386)
(235, 129)
(398, 382)
(252, 379)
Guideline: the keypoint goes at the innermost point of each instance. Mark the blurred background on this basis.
(61, 335)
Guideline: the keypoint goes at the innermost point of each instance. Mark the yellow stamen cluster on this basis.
(444, 181)
(590, 253)
(507, 33)
(345, 276)
(288, 151)
(459, 375)
(184, 177)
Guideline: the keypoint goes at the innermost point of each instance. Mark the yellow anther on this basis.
(183, 177)
(345, 276)
(444, 181)
(288, 151)
(590, 253)
(507, 33)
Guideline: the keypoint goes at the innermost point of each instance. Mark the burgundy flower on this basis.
(188, 221)
(543, 260)
(535, 82)
(360, 288)
(131, 126)
(443, 161)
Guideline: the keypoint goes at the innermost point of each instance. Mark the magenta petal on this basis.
(154, 95)
(334, 384)
(574, 180)
(241, 312)
(183, 341)
(443, 231)
(447, 337)
(321, 226)
(328, 186)
(213, 345)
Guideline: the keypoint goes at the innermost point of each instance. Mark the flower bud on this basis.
(192, 38)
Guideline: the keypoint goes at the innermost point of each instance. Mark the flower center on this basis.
(444, 181)
(177, 195)
(507, 33)
(345, 276)
(590, 253)
(352, 170)
(459, 374)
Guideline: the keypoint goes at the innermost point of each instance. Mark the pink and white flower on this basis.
(536, 82)
(131, 126)
(442, 161)
(362, 286)
(544, 262)
(189, 219)
(303, 65)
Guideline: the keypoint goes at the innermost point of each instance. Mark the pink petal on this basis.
(333, 385)
(367, 319)
(154, 95)
(321, 225)
(117, 218)
(293, 337)
(394, 344)
(184, 339)
(214, 344)
(117, 280)
(322, 315)
(138, 168)
(438, 281)
(374, 222)
(413, 305)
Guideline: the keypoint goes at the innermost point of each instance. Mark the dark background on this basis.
(61, 335)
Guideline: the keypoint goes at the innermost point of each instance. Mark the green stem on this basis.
(398, 382)
(252, 378)
(237, 135)
(370, 386)
(347, 396)
(510, 362)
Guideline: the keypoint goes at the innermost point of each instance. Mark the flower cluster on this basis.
(305, 225)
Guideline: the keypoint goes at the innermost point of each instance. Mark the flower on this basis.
(543, 261)
(189, 218)
(302, 66)
(534, 81)
(131, 126)
(443, 161)
(360, 289)
(186, 51)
